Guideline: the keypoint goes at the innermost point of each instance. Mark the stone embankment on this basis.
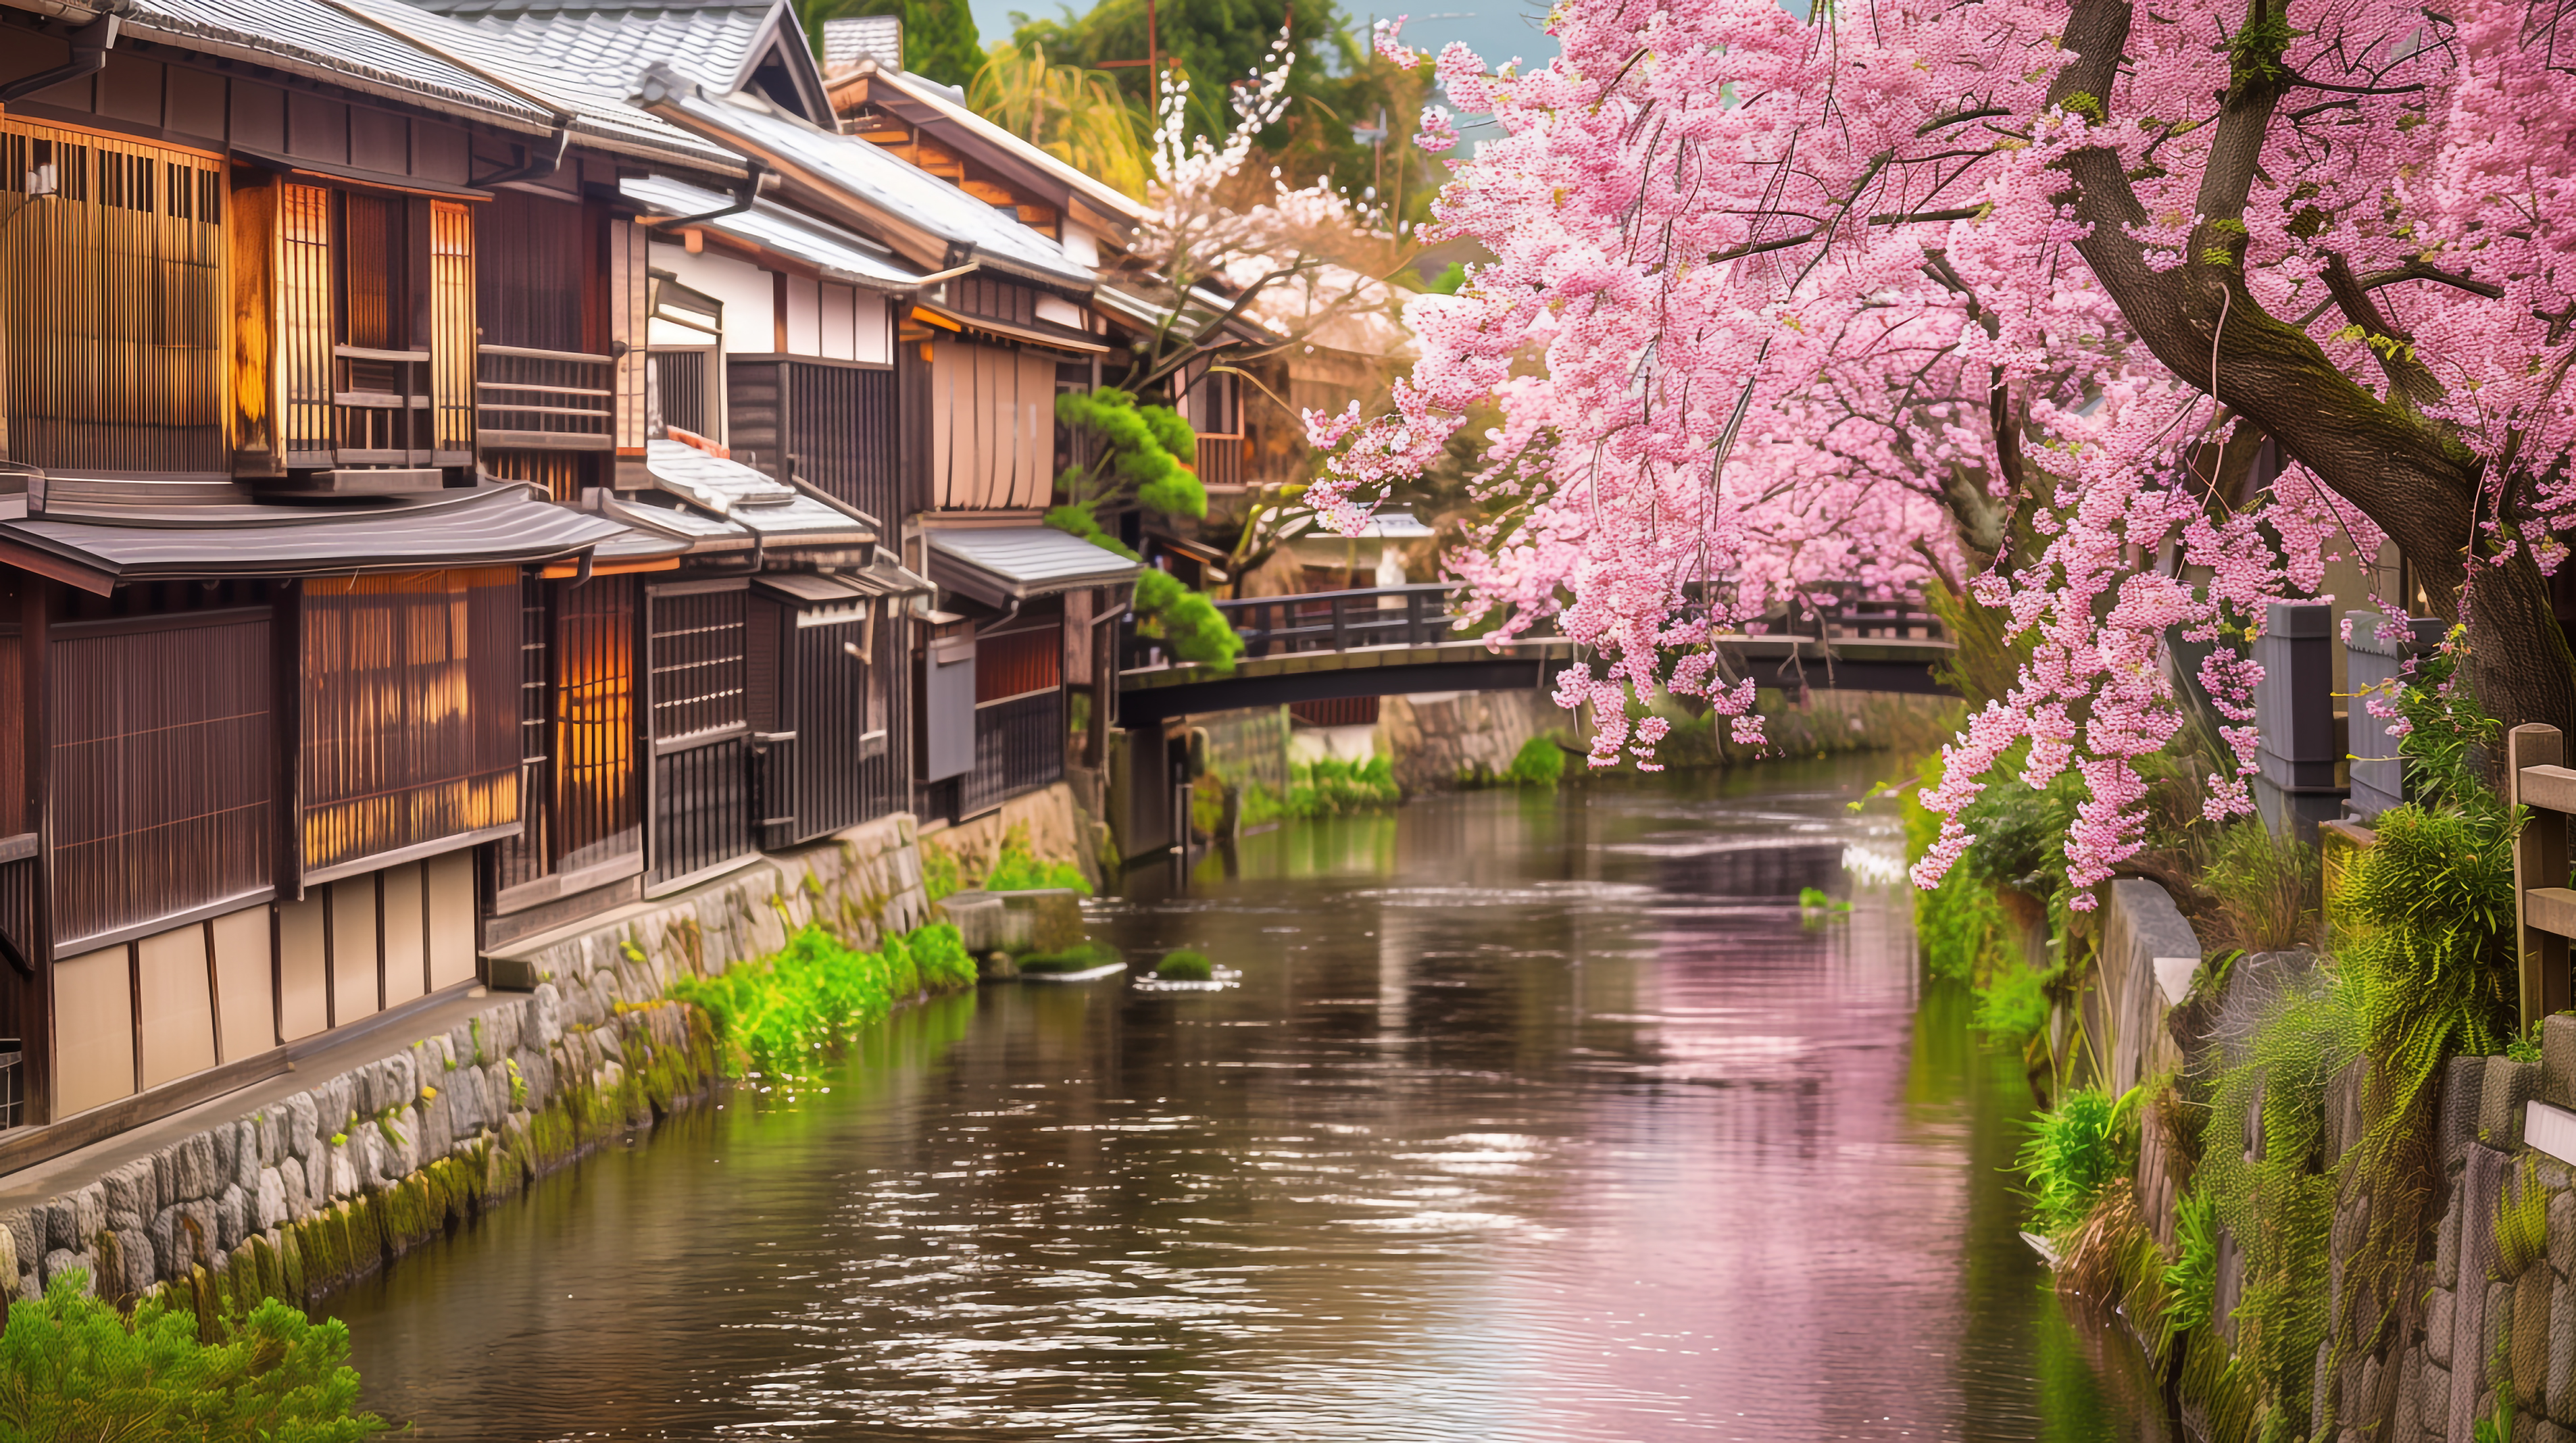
(304, 1186)
(2485, 1307)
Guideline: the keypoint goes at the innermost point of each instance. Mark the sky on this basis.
(1494, 29)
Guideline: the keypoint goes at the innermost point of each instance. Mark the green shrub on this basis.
(2014, 1006)
(1080, 957)
(1328, 786)
(817, 990)
(1539, 763)
(2267, 888)
(73, 1369)
(1185, 965)
(2088, 1142)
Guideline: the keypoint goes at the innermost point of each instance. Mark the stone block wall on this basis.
(304, 1193)
(2497, 1314)
(1432, 741)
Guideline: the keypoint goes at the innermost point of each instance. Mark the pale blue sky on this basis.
(1496, 29)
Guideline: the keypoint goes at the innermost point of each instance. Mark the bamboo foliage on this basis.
(112, 298)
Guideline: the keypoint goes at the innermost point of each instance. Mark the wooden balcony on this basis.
(531, 400)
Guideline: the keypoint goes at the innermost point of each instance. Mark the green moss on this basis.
(1081, 957)
(1539, 763)
(1184, 965)
(778, 1014)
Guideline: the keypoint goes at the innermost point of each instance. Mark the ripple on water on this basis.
(1511, 1133)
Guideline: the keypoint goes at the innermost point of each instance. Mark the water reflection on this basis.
(1535, 1118)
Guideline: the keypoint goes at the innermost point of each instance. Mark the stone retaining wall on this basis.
(313, 1190)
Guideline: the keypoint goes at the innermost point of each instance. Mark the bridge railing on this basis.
(1838, 611)
(1319, 621)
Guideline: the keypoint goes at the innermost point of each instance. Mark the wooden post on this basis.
(2539, 861)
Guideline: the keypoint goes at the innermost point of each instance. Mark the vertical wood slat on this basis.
(599, 806)
(305, 324)
(452, 325)
(113, 302)
(36, 1036)
(699, 654)
(161, 747)
(2539, 860)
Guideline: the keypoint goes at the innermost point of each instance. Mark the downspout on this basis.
(90, 44)
(744, 195)
(542, 159)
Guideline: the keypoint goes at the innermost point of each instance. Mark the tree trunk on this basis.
(2409, 475)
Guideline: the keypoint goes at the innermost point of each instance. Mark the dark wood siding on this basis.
(1014, 663)
(163, 768)
(833, 424)
(528, 273)
(411, 710)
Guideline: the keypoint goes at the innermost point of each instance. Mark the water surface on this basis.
(1534, 1118)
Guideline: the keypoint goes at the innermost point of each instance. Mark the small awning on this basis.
(748, 503)
(1014, 563)
(1043, 333)
(96, 548)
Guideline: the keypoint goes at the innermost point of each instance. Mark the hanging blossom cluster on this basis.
(1779, 303)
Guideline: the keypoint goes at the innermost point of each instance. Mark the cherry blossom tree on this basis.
(2123, 317)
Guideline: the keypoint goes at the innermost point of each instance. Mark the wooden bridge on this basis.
(1396, 640)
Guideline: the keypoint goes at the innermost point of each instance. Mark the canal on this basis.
(1533, 1118)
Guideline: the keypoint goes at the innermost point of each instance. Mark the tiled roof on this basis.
(874, 183)
(1108, 198)
(324, 41)
(1006, 563)
(734, 494)
(848, 39)
(483, 526)
(586, 61)
(840, 255)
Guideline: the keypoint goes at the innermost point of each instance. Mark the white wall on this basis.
(750, 309)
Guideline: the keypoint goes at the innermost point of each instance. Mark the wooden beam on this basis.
(2548, 788)
(2533, 753)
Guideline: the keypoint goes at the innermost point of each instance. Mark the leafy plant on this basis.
(2014, 1006)
(2267, 888)
(2074, 1151)
(73, 1369)
(817, 990)
(1331, 785)
(1815, 899)
(1539, 763)
(1184, 965)
(2191, 1279)
(1188, 622)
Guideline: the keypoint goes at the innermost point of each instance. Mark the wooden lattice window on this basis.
(700, 639)
(112, 299)
(411, 716)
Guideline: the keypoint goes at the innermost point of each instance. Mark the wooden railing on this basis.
(1220, 462)
(2544, 907)
(1019, 747)
(1319, 621)
(1837, 611)
(381, 407)
(531, 400)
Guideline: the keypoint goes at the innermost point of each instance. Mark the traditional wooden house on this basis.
(1002, 323)
(363, 609)
(263, 657)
